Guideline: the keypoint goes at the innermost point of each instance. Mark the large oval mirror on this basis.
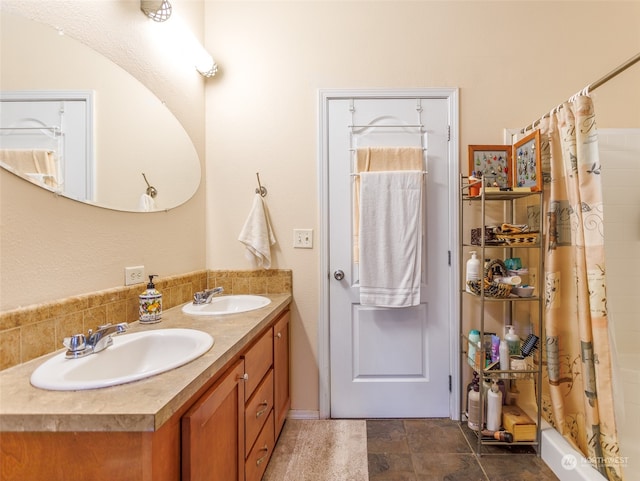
(75, 123)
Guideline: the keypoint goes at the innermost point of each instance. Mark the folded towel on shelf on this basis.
(376, 159)
(257, 235)
(390, 238)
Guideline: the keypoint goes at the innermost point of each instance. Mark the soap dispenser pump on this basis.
(150, 303)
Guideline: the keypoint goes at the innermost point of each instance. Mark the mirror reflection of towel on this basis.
(37, 164)
(390, 238)
(147, 203)
(257, 235)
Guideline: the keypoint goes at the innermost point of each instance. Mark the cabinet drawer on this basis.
(258, 409)
(261, 453)
(257, 361)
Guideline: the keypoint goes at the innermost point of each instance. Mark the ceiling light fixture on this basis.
(156, 10)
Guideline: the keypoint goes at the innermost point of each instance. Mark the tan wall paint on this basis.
(262, 111)
(52, 248)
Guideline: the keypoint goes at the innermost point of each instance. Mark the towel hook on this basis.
(262, 190)
(151, 190)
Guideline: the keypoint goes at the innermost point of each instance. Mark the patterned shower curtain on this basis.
(578, 397)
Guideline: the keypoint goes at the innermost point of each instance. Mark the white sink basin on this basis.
(131, 357)
(226, 305)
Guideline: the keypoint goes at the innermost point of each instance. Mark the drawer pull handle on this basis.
(244, 377)
(262, 411)
(261, 460)
(279, 335)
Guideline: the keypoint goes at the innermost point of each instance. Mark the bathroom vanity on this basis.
(221, 414)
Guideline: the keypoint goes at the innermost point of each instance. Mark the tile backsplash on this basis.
(32, 331)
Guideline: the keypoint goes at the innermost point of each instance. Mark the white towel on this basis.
(146, 203)
(390, 238)
(257, 234)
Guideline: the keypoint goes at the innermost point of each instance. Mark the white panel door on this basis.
(389, 362)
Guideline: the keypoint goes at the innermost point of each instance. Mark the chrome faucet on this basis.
(204, 297)
(80, 345)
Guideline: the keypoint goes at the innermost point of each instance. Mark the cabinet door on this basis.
(281, 370)
(257, 361)
(213, 431)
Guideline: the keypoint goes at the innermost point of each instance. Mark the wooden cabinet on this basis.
(282, 401)
(213, 431)
(230, 432)
(225, 432)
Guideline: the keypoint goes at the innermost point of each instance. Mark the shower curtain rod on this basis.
(592, 86)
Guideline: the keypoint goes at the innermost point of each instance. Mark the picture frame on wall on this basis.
(493, 163)
(527, 169)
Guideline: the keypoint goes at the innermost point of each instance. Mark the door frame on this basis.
(324, 97)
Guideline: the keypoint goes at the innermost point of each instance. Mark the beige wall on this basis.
(51, 247)
(262, 109)
(261, 113)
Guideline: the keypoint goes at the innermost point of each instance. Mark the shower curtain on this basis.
(578, 397)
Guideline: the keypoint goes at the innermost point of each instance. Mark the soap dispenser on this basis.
(150, 303)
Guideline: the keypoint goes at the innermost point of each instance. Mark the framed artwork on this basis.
(527, 170)
(493, 162)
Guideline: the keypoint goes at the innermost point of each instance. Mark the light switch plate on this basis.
(303, 238)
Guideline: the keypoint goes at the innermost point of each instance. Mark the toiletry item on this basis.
(474, 340)
(511, 280)
(473, 416)
(473, 270)
(529, 345)
(504, 436)
(519, 363)
(494, 407)
(150, 303)
(473, 382)
(495, 348)
(513, 341)
(504, 357)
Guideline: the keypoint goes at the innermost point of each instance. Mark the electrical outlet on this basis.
(133, 275)
(303, 238)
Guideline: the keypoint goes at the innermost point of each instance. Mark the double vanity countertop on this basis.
(143, 405)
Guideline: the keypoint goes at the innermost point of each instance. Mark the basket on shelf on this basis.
(492, 288)
(516, 234)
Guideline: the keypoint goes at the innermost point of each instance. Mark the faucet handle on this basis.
(74, 343)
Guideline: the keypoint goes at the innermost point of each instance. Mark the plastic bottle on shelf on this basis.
(474, 339)
(473, 416)
(513, 341)
(473, 270)
(504, 356)
(494, 407)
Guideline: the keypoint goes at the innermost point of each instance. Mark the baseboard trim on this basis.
(302, 414)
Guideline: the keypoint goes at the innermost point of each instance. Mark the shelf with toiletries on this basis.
(501, 314)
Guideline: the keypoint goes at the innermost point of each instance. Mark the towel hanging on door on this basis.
(375, 159)
(390, 238)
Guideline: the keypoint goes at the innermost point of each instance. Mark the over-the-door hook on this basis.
(261, 189)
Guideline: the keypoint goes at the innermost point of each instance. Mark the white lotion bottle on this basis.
(513, 341)
(504, 357)
(494, 407)
(473, 416)
(473, 270)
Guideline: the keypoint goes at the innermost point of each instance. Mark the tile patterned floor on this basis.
(440, 450)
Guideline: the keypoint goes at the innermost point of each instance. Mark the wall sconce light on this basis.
(207, 67)
(157, 10)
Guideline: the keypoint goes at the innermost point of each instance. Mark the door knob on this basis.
(339, 275)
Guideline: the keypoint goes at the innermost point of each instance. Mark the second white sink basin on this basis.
(227, 305)
(131, 357)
